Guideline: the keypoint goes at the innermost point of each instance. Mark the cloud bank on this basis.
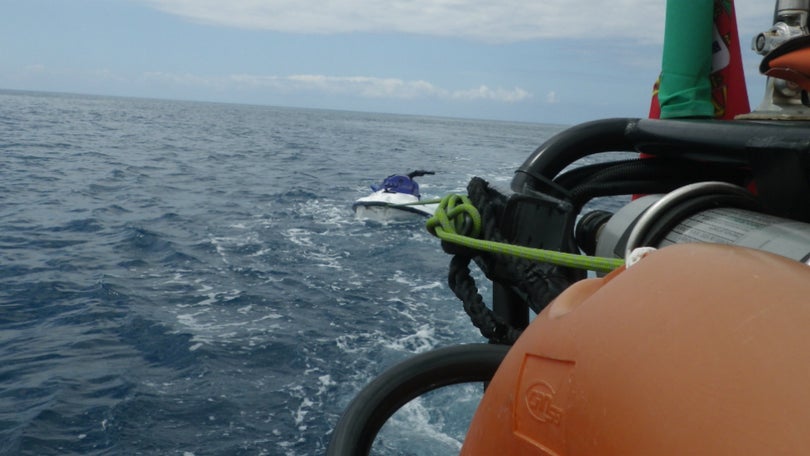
(364, 86)
(482, 20)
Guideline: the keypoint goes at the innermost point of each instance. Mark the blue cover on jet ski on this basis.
(398, 184)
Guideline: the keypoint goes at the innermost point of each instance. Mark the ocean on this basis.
(186, 278)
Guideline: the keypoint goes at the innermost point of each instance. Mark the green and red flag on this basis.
(701, 71)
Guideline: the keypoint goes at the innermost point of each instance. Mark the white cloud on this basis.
(504, 20)
(485, 93)
(36, 68)
(484, 20)
(551, 98)
(186, 79)
(364, 86)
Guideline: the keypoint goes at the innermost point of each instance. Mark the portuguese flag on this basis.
(701, 70)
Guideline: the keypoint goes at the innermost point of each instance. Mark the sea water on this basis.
(184, 278)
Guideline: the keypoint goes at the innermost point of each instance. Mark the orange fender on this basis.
(697, 349)
(790, 61)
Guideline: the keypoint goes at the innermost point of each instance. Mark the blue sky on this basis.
(550, 61)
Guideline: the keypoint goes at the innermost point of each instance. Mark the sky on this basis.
(545, 61)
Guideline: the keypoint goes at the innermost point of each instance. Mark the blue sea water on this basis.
(181, 278)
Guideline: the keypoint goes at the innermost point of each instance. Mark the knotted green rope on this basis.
(457, 221)
(455, 214)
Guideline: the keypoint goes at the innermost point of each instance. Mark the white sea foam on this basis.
(420, 341)
(428, 286)
(416, 418)
(317, 253)
(353, 343)
(326, 212)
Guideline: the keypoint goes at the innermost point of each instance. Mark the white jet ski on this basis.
(396, 199)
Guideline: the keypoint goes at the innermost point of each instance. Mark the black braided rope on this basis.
(540, 283)
(488, 323)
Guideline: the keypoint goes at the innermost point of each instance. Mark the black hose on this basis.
(569, 146)
(379, 400)
(737, 143)
(581, 174)
(650, 175)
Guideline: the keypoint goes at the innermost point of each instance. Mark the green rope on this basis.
(455, 214)
(456, 220)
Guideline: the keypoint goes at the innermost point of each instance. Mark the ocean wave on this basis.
(189, 278)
